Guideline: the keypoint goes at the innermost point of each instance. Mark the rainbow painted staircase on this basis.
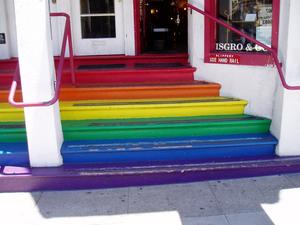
(142, 111)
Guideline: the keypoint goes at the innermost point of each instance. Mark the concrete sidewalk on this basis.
(255, 201)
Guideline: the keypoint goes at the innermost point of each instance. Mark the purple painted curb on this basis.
(15, 179)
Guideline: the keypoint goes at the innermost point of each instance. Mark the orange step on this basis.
(135, 91)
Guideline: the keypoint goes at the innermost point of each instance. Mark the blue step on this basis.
(14, 154)
(151, 150)
(169, 149)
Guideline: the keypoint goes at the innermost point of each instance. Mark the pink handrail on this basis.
(66, 38)
(271, 50)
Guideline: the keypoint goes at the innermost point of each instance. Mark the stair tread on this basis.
(137, 103)
(137, 108)
(105, 129)
(163, 121)
(149, 85)
(118, 123)
(188, 143)
(152, 102)
(152, 144)
(127, 70)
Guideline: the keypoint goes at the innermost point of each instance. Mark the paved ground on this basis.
(256, 201)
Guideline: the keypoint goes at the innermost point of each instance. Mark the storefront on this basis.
(133, 29)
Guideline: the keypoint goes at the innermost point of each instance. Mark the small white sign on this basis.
(250, 17)
(160, 30)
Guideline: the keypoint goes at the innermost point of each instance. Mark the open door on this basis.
(163, 26)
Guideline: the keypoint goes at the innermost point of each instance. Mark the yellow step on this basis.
(148, 108)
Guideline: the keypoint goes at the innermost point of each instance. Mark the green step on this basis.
(147, 128)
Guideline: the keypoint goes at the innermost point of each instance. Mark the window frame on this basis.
(237, 58)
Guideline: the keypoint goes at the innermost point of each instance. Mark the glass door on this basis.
(98, 27)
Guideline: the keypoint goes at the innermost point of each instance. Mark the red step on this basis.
(9, 64)
(129, 72)
(129, 60)
(130, 76)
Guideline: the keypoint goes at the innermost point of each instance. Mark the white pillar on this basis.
(4, 44)
(43, 125)
(286, 119)
(128, 14)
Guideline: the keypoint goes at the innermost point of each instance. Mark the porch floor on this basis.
(259, 200)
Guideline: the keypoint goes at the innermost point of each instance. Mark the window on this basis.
(257, 18)
(97, 19)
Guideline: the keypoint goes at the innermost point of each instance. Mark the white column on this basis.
(4, 36)
(128, 14)
(43, 125)
(286, 119)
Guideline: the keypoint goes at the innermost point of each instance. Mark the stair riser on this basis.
(181, 110)
(82, 177)
(172, 155)
(128, 77)
(109, 77)
(14, 154)
(12, 116)
(138, 94)
(15, 159)
(5, 80)
(127, 93)
(121, 76)
(130, 60)
(22, 159)
(103, 133)
(8, 65)
(147, 112)
(147, 151)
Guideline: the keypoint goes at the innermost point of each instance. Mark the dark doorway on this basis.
(163, 26)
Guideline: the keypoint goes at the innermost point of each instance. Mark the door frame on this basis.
(137, 25)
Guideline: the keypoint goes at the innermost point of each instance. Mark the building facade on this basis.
(135, 28)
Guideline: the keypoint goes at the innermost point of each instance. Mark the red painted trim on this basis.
(275, 25)
(253, 59)
(137, 24)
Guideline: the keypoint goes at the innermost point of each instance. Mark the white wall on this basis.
(286, 120)
(253, 83)
(4, 48)
(57, 26)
